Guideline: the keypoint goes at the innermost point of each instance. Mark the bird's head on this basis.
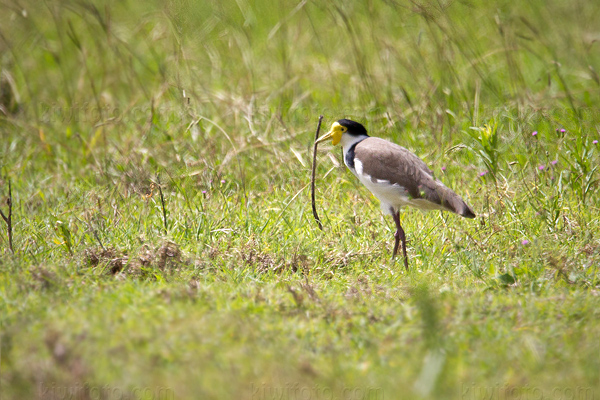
(343, 127)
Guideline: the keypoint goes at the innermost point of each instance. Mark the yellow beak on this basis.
(326, 137)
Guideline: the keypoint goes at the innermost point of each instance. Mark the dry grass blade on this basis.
(162, 203)
(312, 179)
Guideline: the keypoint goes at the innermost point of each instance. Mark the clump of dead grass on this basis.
(166, 257)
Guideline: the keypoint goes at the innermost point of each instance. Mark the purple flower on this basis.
(483, 173)
(554, 162)
(222, 180)
(595, 142)
(443, 168)
(525, 242)
(204, 192)
(541, 167)
(562, 131)
(534, 133)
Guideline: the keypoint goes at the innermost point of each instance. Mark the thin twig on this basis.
(312, 180)
(8, 219)
(162, 202)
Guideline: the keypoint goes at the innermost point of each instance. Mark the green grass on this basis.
(240, 295)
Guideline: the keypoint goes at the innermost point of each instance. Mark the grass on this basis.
(164, 245)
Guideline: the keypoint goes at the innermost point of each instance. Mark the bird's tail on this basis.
(455, 203)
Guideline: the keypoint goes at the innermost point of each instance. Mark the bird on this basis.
(394, 175)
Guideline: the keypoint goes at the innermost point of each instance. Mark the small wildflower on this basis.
(483, 173)
(222, 180)
(541, 167)
(534, 133)
(595, 142)
(554, 162)
(525, 242)
(443, 169)
(204, 192)
(562, 131)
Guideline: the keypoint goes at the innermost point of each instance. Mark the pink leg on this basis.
(399, 236)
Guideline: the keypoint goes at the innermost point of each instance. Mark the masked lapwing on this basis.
(397, 177)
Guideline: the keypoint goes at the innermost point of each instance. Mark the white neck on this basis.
(348, 140)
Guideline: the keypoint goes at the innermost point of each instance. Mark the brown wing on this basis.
(383, 160)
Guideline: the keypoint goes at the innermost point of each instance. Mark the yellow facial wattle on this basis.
(336, 134)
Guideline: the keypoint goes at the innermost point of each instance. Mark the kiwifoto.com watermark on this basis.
(526, 392)
(89, 112)
(95, 113)
(296, 391)
(108, 392)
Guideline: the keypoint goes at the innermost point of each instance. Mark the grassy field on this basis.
(158, 155)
